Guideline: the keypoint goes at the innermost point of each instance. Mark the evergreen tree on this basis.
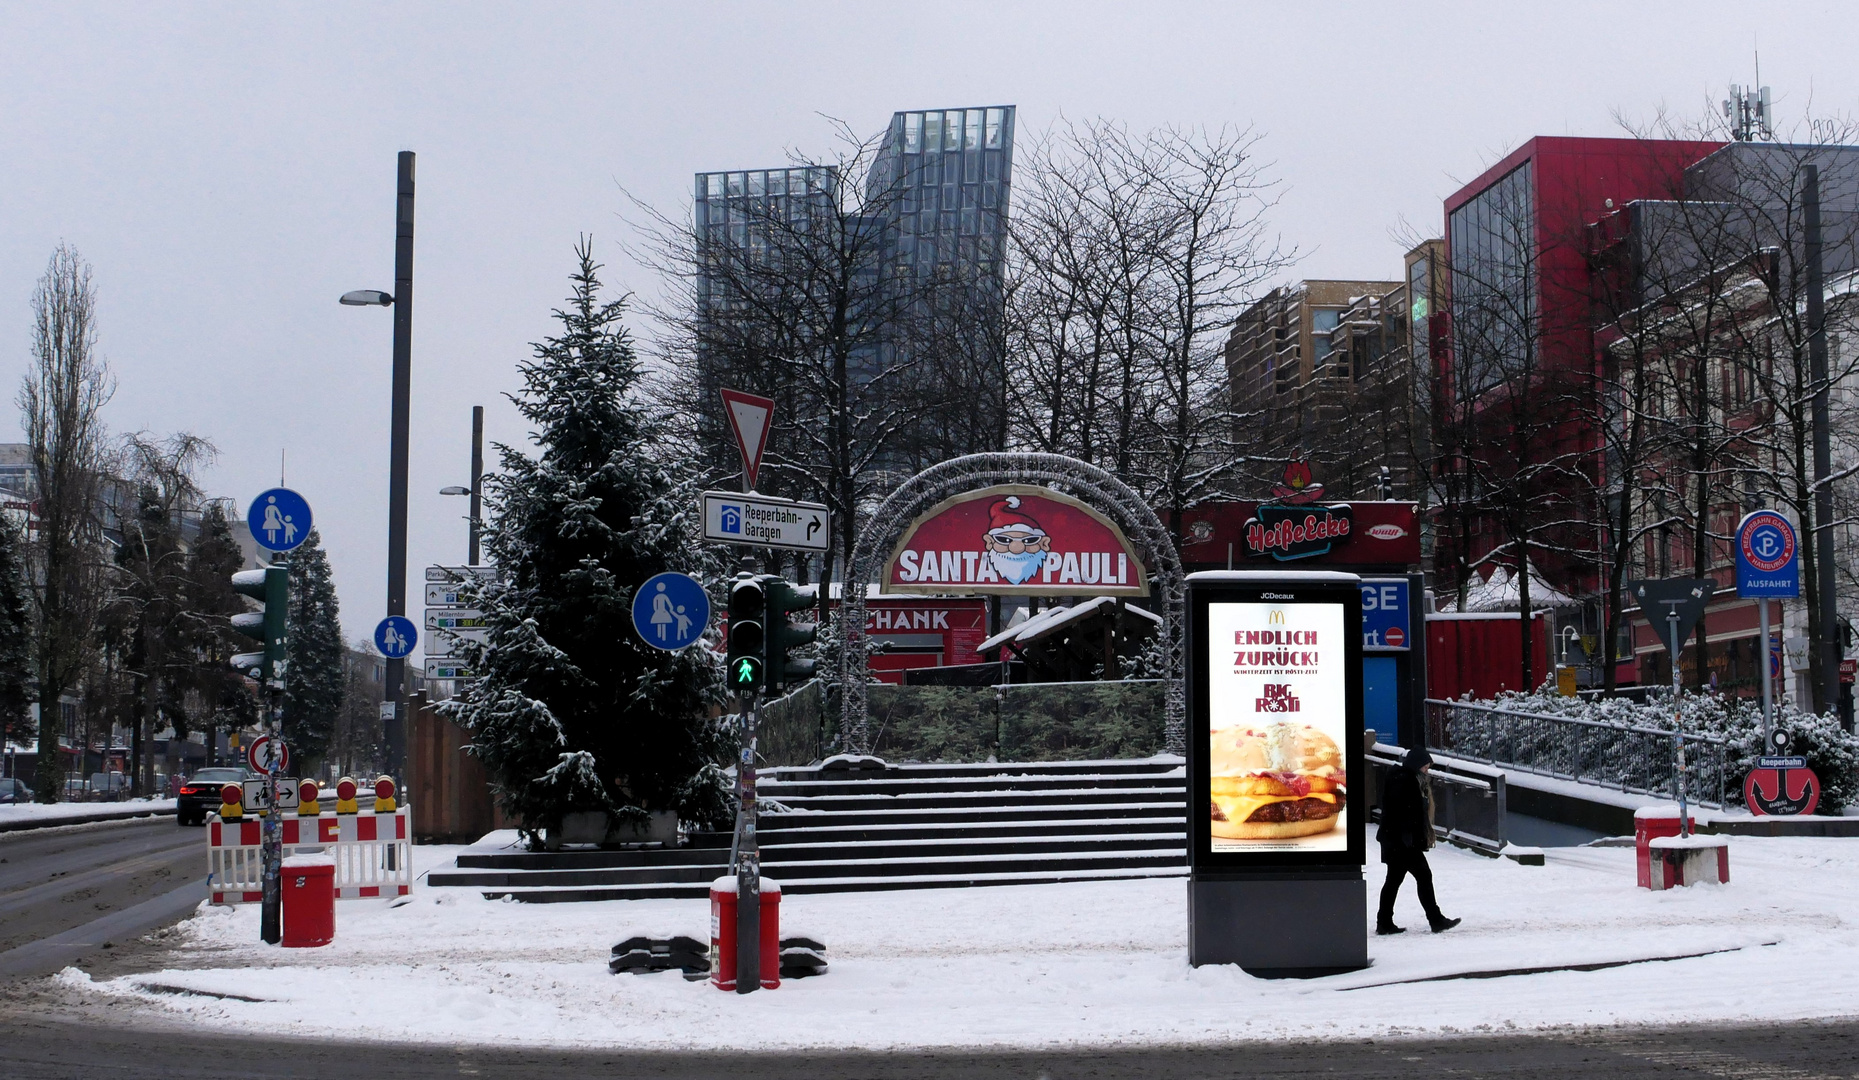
(223, 699)
(571, 710)
(313, 679)
(15, 636)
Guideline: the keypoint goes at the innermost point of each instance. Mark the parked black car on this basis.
(14, 790)
(200, 794)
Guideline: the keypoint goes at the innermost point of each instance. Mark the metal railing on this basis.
(1637, 760)
(1468, 799)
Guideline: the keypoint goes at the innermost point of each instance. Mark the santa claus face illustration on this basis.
(1015, 543)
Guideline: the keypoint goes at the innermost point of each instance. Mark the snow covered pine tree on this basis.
(313, 681)
(571, 712)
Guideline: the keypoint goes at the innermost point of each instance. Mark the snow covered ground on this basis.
(1081, 964)
(74, 813)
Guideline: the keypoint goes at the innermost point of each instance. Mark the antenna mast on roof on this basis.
(1747, 109)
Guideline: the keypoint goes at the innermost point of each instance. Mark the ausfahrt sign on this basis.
(1768, 560)
(1014, 540)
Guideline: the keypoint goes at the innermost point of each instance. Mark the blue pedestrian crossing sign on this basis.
(279, 519)
(670, 611)
(395, 637)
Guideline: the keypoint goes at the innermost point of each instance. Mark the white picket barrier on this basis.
(373, 853)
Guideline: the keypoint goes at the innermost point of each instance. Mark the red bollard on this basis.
(309, 901)
(1650, 822)
(723, 933)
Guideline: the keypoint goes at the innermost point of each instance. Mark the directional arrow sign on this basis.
(454, 618)
(1659, 597)
(749, 418)
(458, 573)
(759, 521)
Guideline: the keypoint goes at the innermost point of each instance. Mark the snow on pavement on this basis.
(1097, 963)
(78, 813)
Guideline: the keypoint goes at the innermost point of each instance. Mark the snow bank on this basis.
(1087, 964)
(74, 813)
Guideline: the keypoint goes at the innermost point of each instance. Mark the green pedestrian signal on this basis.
(747, 611)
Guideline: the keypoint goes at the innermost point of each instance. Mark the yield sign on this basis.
(749, 418)
(1659, 598)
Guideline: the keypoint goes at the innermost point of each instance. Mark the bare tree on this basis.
(1132, 257)
(789, 291)
(62, 398)
(156, 596)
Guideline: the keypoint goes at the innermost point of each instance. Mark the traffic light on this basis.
(783, 636)
(271, 586)
(747, 611)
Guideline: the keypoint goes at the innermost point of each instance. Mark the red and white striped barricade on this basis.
(373, 853)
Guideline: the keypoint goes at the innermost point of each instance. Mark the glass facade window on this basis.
(913, 133)
(952, 130)
(972, 137)
(1322, 322)
(993, 140)
(932, 131)
(1493, 268)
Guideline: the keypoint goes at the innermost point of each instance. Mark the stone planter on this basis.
(597, 827)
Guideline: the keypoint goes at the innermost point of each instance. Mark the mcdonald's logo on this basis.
(1277, 618)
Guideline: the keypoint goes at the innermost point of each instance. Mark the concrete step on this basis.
(845, 884)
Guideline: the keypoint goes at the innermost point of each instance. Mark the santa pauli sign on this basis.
(1015, 540)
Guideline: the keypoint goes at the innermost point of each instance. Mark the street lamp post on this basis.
(476, 490)
(402, 302)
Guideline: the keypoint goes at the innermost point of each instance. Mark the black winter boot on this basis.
(1384, 925)
(1441, 923)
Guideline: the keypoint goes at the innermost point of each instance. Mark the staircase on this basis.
(905, 827)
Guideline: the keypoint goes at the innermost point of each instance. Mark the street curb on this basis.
(114, 815)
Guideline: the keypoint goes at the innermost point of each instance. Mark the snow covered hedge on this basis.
(1833, 754)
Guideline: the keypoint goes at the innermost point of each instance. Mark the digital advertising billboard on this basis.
(1276, 698)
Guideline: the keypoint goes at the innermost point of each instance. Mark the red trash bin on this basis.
(309, 901)
(723, 933)
(1650, 822)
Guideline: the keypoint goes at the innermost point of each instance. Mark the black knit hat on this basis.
(1416, 759)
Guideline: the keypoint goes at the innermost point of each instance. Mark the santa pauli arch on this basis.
(1083, 483)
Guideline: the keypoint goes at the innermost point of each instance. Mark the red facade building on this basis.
(1514, 393)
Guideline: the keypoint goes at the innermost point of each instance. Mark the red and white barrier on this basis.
(373, 853)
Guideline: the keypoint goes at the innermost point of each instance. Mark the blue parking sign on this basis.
(1768, 557)
(1385, 620)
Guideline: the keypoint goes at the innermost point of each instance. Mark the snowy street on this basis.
(1078, 965)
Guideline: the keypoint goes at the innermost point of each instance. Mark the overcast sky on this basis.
(228, 169)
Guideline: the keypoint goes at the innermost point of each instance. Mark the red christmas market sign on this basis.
(1781, 786)
(1014, 540)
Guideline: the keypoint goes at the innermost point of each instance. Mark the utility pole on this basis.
(1827, 648)
(396, 731)
(477, 477)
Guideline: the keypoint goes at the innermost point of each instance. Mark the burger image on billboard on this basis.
(1275, 783)
(1277, 708)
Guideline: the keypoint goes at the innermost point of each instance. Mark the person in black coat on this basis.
(1406, 834)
